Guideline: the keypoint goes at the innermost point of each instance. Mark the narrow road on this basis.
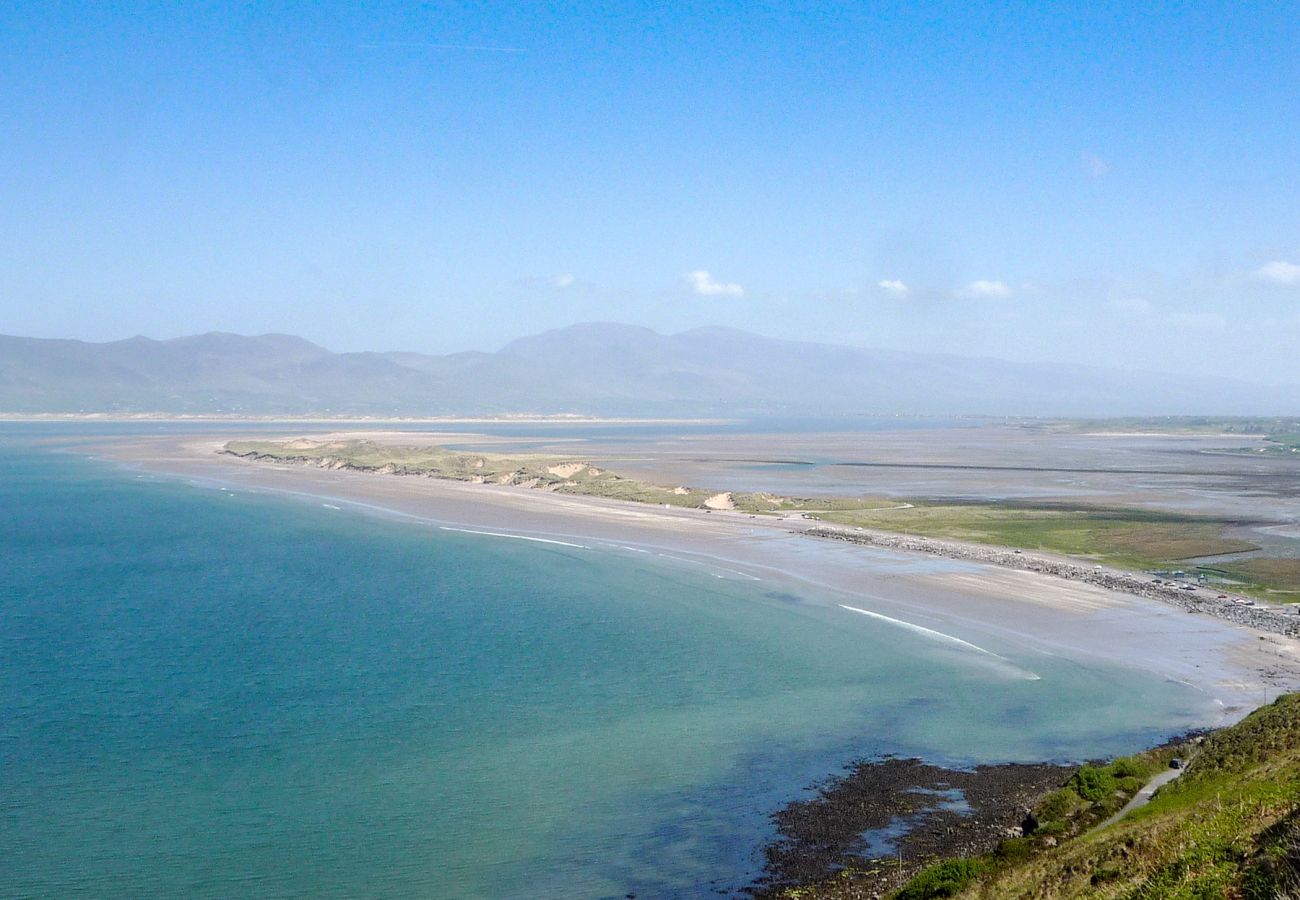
(1143, 796)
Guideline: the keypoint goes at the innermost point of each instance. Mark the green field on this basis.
(1127, 538)
(1135, 539)
(1278, 578)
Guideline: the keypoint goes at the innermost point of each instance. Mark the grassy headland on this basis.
(1122, 537)
(1059, 812)
(1229, 827)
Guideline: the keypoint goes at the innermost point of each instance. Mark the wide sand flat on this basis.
(1021, 612)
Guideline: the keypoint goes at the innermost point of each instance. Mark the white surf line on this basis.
(220, 484)
(609, 545)
(517, 537)
(700, 562)
(921, 629)
(939, 636)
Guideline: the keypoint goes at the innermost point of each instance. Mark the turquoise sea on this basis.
(221, 693)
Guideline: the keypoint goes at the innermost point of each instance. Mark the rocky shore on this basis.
(1199, 599)
(886, 819)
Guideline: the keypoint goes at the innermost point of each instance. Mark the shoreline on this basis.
(1188, 596)
(884, 819)
(1016, 608)
(1249, 614)
(217, 418)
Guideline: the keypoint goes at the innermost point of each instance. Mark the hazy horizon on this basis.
(1293, 380)
(1087, 184)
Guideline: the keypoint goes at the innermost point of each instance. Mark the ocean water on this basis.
(224, 693)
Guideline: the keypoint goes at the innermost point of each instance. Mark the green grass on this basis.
(359, 454)
(945, 879)
(1090, 796)
(1269, 577)
(1126, 538)
(819, 505)
(1229, 828)
(1143, 540)
(532, 470)
(561, 475)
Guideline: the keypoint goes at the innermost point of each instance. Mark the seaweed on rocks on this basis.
(916, 807)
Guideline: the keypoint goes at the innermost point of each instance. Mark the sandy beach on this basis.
(1027, 613)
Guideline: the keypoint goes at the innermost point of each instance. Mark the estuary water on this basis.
(214, 692)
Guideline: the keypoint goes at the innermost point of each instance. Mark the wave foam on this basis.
(517, 537)
(940, 636)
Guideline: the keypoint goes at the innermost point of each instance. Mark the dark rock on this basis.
(822, 836)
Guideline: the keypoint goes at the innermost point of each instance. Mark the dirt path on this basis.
(1143, 796)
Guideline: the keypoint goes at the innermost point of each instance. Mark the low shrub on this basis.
(1127, 767)
(945, 879)
(1057, 805)
(1092, 783)
(1014, 850)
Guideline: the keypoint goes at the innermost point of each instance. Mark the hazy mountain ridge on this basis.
(596, 368)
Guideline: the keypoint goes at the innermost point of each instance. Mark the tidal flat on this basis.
(1252, 556)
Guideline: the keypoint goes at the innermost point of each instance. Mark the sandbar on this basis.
(1235, 667)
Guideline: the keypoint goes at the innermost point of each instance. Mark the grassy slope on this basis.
(1090, 796)
(1230, 828)
(1125, 538)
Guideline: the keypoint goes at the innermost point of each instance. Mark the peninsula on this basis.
(1103, 544)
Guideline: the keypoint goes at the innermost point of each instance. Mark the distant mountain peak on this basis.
(230, 339)
(584, 332)
(601, 368)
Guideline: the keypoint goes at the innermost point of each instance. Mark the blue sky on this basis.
(1107, 183)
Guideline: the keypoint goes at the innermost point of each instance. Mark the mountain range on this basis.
(591, 368)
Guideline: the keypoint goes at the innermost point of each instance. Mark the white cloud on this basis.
(1279, 272)
(567, 280)
(1093, 165)
(983, 288)
(1134, 306)
(895, 287)
(706, 285)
